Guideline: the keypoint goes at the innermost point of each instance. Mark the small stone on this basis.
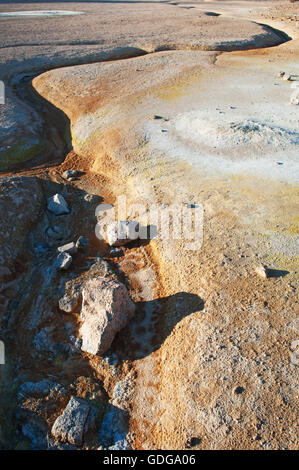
(70, 174)
(156, 116)
(294, 100)
(262, 271)
(70, 248)
(286, 77)
(90, 197)
(82, 243)
(238, 390)
(116, 252)
(58, 205)
(74, 422)
(63, 261)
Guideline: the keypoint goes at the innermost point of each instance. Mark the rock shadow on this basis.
(277, 272)
(153, 322)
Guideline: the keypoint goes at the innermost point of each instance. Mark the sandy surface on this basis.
(211, 351)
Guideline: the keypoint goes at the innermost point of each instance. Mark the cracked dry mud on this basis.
(207, 357)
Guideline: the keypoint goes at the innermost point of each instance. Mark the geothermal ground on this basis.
(187, 104)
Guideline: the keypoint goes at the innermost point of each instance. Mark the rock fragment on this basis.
(262, 271)
(74, 422)
(70, 174)
(106, 309)
(90, 197)
(38, 389)
(116, 252)
(294, 99)
(58, 205)
(70, 248)
(82, 243)
(63, 261)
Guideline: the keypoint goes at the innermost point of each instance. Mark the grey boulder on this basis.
(106, 309)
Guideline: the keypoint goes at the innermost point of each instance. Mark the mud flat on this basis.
(207, 357)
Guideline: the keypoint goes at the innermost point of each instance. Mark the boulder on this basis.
(70, 248)
(106, 309)
(122, 232)
(63, 261)
(74, 422)
(58, 205)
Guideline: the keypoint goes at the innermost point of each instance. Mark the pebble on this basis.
(82, 242)
(70, 174)
(261, 271)
(90, 197)
(115, 252)
(63, 261)
(58, 205)
(70, 248)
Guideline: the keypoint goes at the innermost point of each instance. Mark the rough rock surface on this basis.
(73, 424)
(106, 309)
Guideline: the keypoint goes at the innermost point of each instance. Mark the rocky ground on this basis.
(201, 112)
